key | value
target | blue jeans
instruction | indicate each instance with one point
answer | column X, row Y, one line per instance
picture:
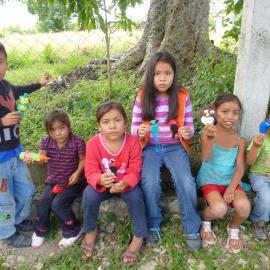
column 16, row 194
column 175, row 158
column 133, row 199
column 261, row 185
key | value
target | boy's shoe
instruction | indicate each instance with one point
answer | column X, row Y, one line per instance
column 153, row 236
column 26, row 226
column 194, row 241
column 37, row 241
column 18, row 240
column 67, row 242
column 260, row 230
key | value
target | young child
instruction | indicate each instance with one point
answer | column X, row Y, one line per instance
column 258, row 156
column 66, row 153
column 165, row 140
column 16, row 187
column 112, row 166
column 221, row 171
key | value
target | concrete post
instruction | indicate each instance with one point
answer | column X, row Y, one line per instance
column 252, row 78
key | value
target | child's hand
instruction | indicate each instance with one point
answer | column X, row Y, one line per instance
column 228, row 195
column 209, row 131
column 118, row 187
column 185, row 132
column 45, row 79
column 258, row 140
column 142, row 130
column 11, row 119
column 107, row 179
column 73, row 179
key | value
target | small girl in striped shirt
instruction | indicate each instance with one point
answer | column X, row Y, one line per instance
column 162, row 119
column 64, row 182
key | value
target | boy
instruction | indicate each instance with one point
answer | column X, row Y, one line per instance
column 16, row 187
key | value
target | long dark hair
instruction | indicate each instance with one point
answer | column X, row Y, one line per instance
column 150, row 92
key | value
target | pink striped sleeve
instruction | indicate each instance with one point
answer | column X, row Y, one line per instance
column 136, row 117
column 188, row 120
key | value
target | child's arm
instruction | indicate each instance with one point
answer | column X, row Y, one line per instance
column 207, row 138
column 228, row 195
column 253, row 152
column 136, row 122
column 73, row 179
column 20, row 90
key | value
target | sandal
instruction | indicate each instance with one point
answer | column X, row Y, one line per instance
column 233, row 235
column 130, row 256
column 87, row 248
column 206, row 228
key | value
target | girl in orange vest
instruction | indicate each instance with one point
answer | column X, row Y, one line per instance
column 162, row 119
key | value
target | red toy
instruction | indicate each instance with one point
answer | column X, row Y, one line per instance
column 58, row 188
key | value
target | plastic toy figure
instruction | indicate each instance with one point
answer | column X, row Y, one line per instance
column 23, row 104
column 208, row 117
column 174, row 125
column 58, row 188
column 264, row 126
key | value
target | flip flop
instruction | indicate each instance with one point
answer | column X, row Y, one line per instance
column 87, row 248
column 131, row 256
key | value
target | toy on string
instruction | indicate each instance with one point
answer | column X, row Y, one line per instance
column 154, row 132
column 208, row 117
column 23, row 104
column 29, row 156
column 264, row 126
column 58, row 188
column 174, row 126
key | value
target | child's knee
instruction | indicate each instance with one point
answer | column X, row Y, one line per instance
column 219, row 210
column 242, row 207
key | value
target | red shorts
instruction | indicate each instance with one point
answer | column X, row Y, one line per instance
column 205, row 190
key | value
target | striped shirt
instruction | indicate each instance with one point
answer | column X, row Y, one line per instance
column 62, row 162
column 162, row 108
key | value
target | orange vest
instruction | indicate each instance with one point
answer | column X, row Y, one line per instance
column 182, row 94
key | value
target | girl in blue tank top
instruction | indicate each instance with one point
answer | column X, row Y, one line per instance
column 221, row 171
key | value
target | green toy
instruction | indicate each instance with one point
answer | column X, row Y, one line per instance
column 23, row 104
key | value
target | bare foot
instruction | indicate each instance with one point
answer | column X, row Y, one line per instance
column 88, row 243
column 133, row 250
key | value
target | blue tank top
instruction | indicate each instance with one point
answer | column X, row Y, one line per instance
column 220, row 168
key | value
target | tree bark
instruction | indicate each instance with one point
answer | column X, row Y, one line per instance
column 179, row 26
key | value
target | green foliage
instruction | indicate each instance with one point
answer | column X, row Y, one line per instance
column 48, row 55
column 213, row 75
column 51, row 17
column 233, row 21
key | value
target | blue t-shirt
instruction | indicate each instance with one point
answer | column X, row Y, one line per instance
column 7, row 155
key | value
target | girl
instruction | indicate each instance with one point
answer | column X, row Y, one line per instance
column 221, row 171
column 162, row 119
column 258, row 157
column 66, row 153
column 112, row 165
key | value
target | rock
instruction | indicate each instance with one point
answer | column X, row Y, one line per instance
column 151, row 265
column 39, row 266
column 201, row 265
column 20, row 259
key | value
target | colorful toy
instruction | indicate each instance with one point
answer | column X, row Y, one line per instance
column 23, row 104
column 154, row 132
column 208, row 117
column 264, row 126
column 174, row 125
column 29, row 156
column 58, row 188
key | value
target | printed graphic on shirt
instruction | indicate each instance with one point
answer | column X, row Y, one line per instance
column 3, row 184
column 115, row 166
column 8, row 102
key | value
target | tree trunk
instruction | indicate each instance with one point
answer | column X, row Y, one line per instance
column 179, row 26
